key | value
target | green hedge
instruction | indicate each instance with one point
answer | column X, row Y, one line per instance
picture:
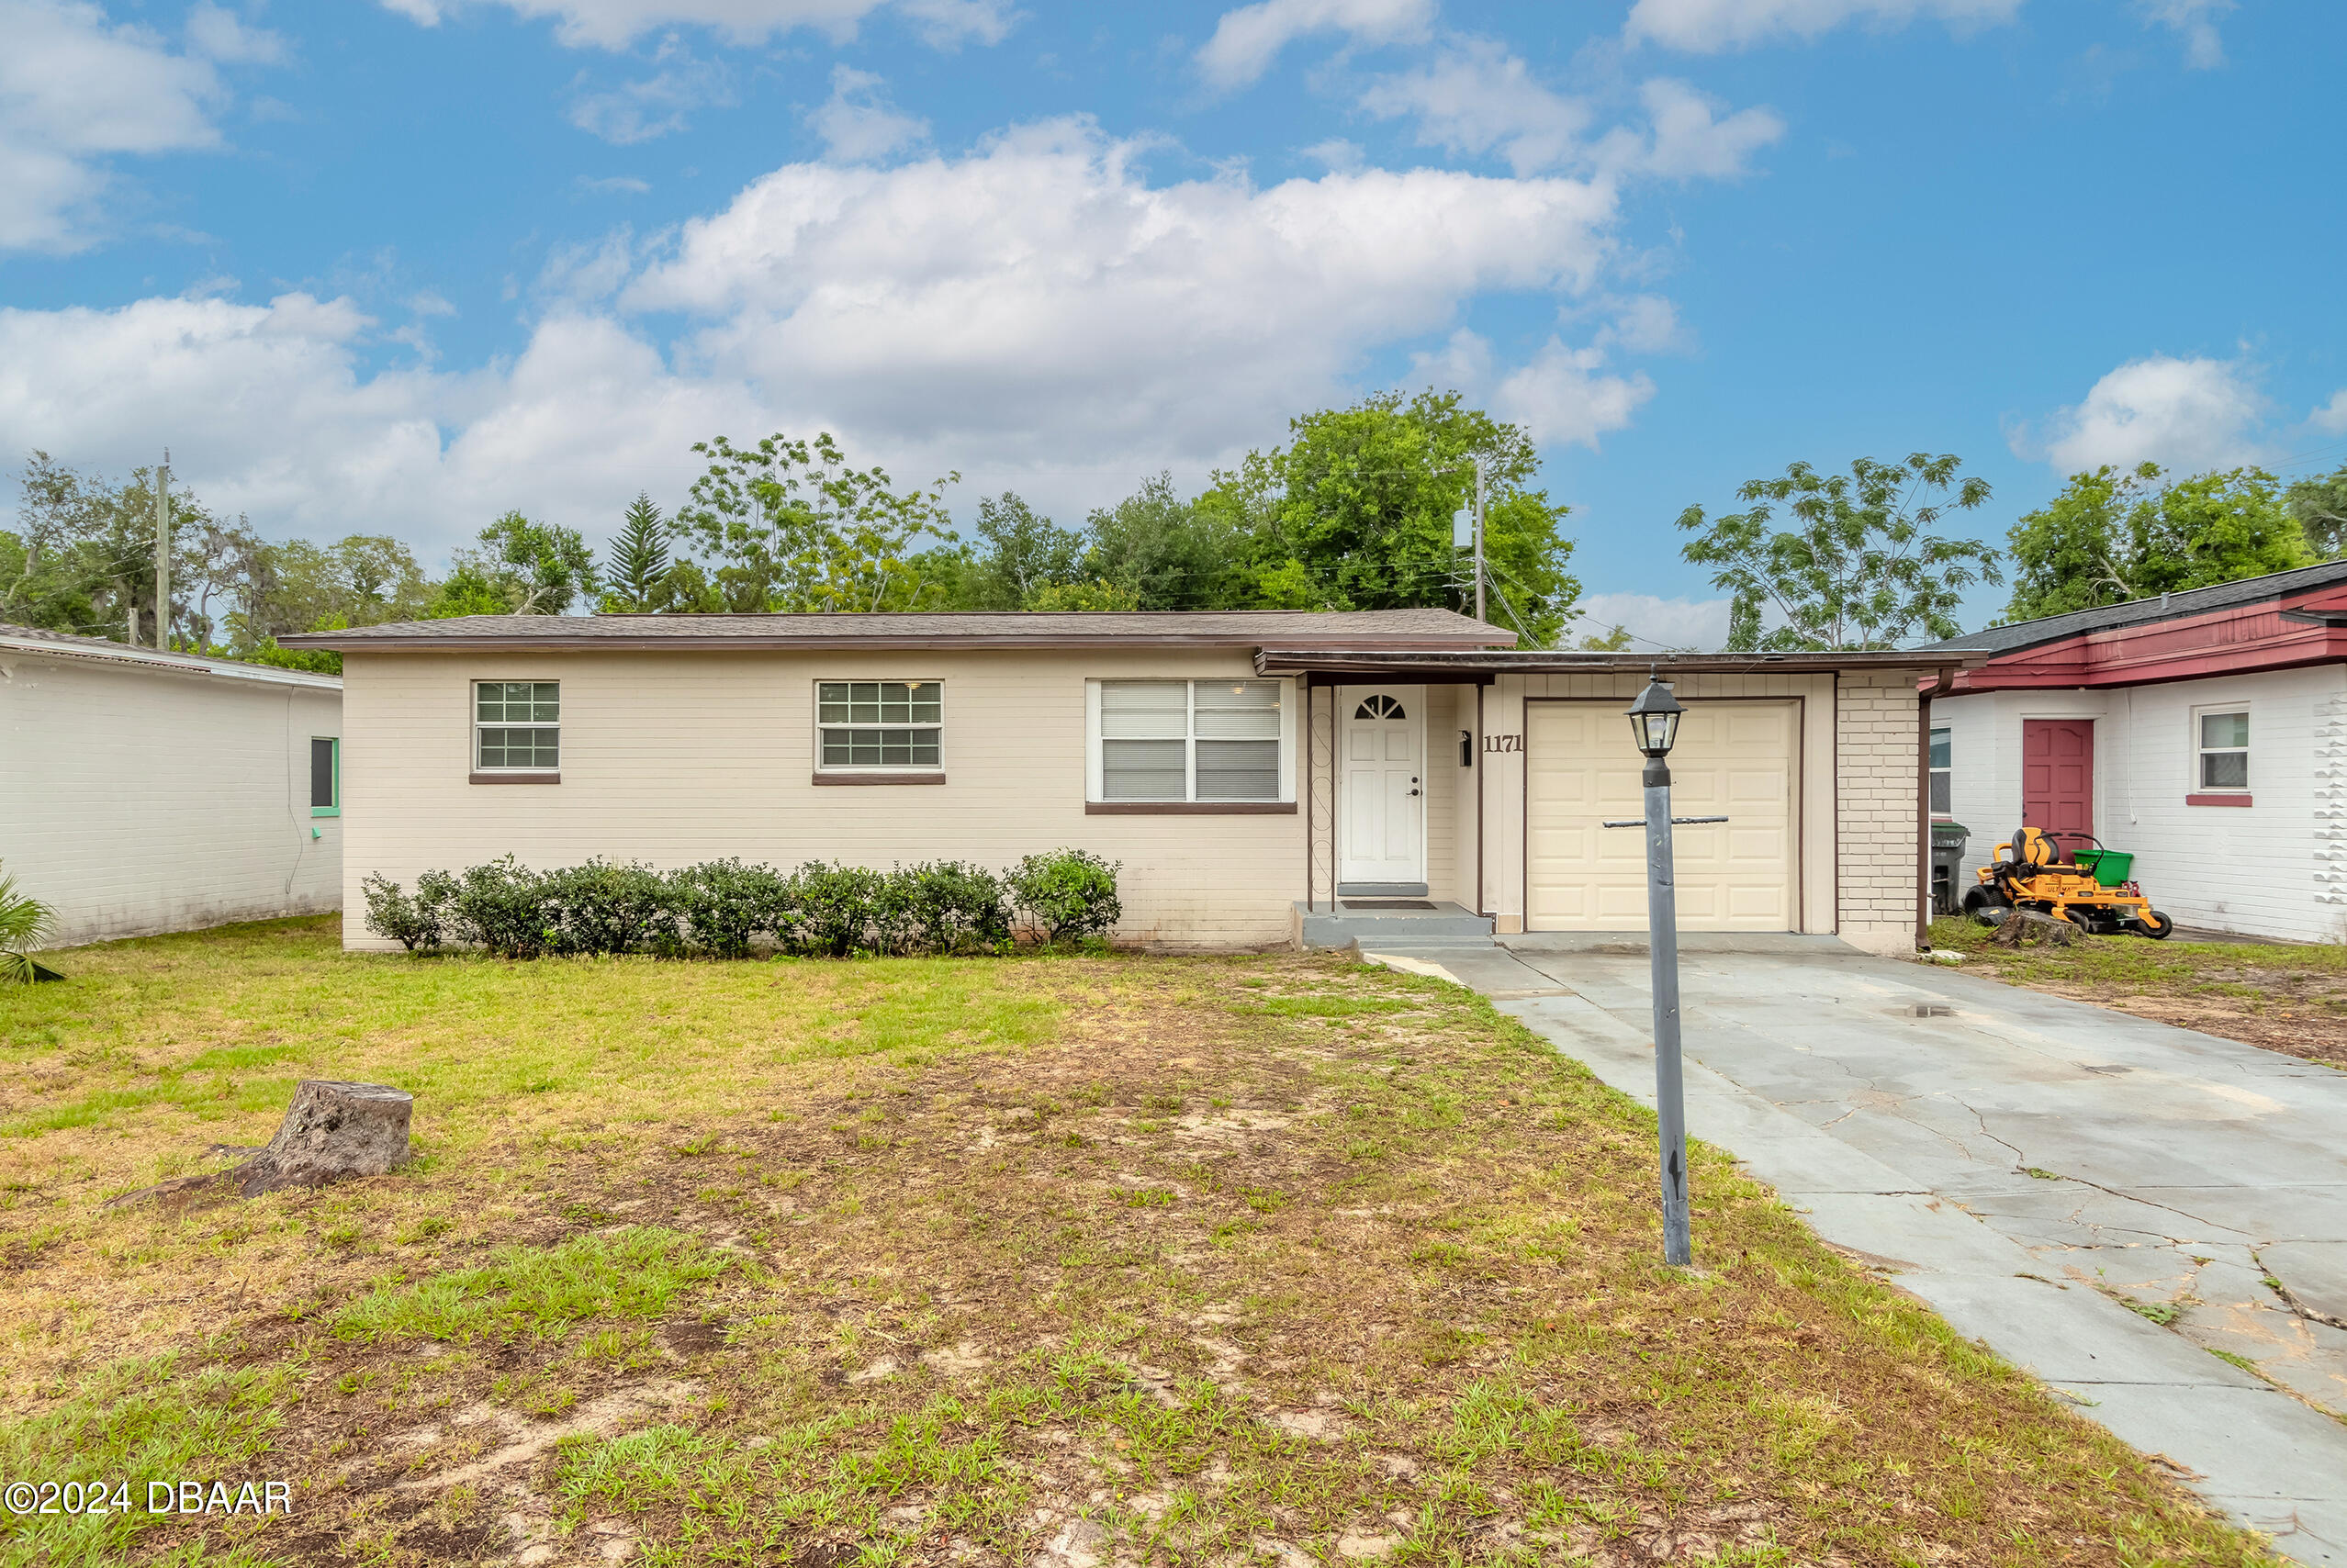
column 725, row 909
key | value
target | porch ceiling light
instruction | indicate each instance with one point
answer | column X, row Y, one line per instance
column 1653, row 718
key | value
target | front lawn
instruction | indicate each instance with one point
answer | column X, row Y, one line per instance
column 1080, row 1259
column 2283, row 996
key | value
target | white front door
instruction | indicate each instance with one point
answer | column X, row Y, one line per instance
column 1384, row 805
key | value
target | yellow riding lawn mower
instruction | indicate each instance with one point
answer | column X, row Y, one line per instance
column 2092, row 888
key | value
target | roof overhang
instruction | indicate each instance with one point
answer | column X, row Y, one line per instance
column 156, row 661
column 860, row 642
column 1486, row 665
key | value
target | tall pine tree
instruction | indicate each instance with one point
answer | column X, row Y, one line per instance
column 638, row 571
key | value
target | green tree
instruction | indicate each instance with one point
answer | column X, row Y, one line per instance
column 365, row 579
column 2108, row 537
column 52, row 573
column 1155, row 550
column 527, row 568
column 637, row 579
column 83, row 558
column 1021, row 554
column 468, row 590
column 789, row 525
column 2321, row 506
column 1860, row 569
column 1355, row 513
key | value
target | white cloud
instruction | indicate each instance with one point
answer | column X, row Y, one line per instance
column 2331, row 418
column 1563, row 396
column 1657, row 623
column 266, row 412
column 2182, row 413
column 1478, row 97
column 1039, row 293
column 1246, row 40
column 220, row 35
column 643, row 111
column 2195, row 22
column 1336, row 153
column 615, row 24
column 614, row 184
column 1033, row 308
column 1647, row 323
column 1707, row 26
column 857, row 125
column 75, row 90
column 1691, row 142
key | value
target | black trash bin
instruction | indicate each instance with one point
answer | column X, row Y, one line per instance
column 1947, row 841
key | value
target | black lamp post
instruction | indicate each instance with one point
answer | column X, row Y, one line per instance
column 1654, row 720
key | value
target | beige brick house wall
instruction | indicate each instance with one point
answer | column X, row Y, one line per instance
column 1875, row 732
column 674, row 758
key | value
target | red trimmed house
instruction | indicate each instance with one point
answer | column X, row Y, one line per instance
column 2206, row 730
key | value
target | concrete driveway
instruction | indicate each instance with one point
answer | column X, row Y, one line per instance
column 2025, row 1164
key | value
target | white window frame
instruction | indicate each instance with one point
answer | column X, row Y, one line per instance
column 1933, row 775
column 472, row 700
column 938, row 724
column 2200, row 751
column 1093, row 766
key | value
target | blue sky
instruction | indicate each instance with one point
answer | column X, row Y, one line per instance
column 397, row 267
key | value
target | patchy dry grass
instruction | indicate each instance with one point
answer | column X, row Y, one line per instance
column 2284, row 997
column 1054, row 1259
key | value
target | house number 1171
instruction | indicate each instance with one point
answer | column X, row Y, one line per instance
column 1503, row 742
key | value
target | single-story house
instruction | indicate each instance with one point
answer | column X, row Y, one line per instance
column 143, row 790
column 2203, row 730
column 1245, row 766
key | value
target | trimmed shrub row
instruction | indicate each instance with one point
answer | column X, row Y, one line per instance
column 723, row 909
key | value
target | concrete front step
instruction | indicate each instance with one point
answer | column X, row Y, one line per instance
column 1349, row 926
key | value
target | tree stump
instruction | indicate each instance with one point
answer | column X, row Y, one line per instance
column 2031, row 928
column 331, row 1132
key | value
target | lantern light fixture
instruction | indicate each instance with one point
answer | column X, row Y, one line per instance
column 1653, row 718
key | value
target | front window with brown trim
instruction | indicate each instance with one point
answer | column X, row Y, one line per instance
column 879, row 726
column 1202, row 742
column 517, row 726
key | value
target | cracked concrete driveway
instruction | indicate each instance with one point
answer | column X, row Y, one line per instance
column 2153, row 1221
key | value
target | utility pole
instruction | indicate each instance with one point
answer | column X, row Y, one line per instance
column 1479, row 536
column 162, row 556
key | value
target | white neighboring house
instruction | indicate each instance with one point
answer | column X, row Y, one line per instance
column 144, row 791
column 2203, row 730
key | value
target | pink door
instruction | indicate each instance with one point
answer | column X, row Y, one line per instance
column 2057, row 775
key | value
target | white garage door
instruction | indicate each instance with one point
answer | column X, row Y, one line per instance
column 1736, row 759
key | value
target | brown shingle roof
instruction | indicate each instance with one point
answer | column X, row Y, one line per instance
column 1420, row 628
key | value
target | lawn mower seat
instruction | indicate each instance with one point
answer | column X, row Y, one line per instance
column 2033, row 850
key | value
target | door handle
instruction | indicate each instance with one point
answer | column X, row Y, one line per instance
column 1413, row 792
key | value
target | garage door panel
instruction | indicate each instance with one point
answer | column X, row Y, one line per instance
column 1735, row 759
column 1618, row 908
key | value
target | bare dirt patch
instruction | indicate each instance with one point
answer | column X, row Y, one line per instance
column 2280, row 997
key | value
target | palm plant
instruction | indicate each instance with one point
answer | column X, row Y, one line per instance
column 25, row 920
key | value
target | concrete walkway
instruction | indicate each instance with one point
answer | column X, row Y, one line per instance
column 2020, row 1161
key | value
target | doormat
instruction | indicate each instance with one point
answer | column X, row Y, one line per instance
column 1387, row 903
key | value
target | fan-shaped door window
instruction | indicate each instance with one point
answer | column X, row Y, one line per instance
column 1378, row 705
